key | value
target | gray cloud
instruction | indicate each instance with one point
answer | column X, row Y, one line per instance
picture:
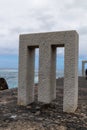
column 38, row 16
column 8, row 51
column 83, row 30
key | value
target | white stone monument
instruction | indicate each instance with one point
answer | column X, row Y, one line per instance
column 47, row 43
column 83, row 67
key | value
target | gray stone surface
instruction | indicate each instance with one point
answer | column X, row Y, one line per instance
column 71, row 75
column 47, row 73
column 26, row 75
column 83, row 67
column 47, row 43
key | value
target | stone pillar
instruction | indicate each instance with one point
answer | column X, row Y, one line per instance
column 53, row 72
column 82, row 68
column 26, row 75
column 47, row 73
column 70, row 99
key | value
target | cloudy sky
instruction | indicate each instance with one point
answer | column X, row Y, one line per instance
column 28, row 16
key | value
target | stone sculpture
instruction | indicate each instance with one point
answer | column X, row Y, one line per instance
column 83, row 67
column 47, row 43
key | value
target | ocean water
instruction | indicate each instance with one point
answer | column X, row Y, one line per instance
column 11, row 75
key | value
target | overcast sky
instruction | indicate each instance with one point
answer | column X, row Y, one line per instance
column 28, row 16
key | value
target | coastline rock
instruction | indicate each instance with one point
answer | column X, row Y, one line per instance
column 40, row 116
column 3, row 84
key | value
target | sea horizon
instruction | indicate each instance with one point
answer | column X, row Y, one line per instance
column 11, row 74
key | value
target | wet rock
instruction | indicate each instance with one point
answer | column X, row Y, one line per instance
column 3, row 84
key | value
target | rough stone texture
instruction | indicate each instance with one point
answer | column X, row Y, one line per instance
column 47, row 43
column 3, row 84
column 71, row 75
column 47, row 73
column 40, row 116
column 83, row 67
column 26, row 75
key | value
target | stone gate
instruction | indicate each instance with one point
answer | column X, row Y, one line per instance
column 47, row 43
column 83, row 67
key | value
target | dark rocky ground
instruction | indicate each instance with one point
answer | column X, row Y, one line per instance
column 38, row 116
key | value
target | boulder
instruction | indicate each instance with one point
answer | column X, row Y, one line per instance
column 3, row 84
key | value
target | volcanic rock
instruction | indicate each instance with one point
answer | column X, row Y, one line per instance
column 3, row 84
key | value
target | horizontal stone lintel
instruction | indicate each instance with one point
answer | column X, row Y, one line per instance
column 59, row 39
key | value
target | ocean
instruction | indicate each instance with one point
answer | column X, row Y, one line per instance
column 11, row 75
